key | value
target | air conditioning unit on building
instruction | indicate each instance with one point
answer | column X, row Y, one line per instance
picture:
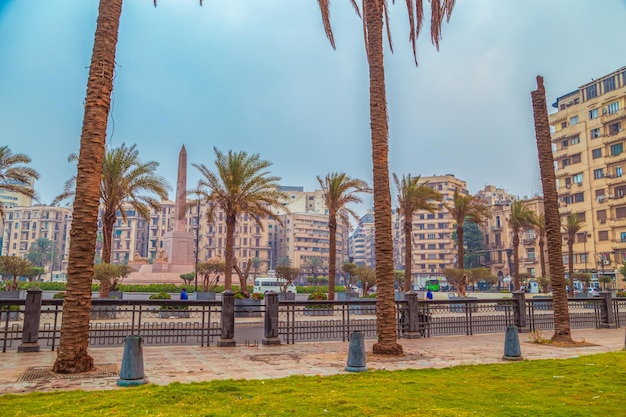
column 604, row 111
column 568, row 186
column 607, row 262
column 602, row 220
column 579, row 184
column 610, row 197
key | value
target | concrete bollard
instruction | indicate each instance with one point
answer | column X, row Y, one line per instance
column 512, row 350
column 131, row 371
column 356, row 353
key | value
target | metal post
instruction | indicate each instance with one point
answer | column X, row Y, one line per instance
column 271, row 319
column 411, row 317
column 227, row 337
column 51, row 259
column 608, row 317
column 521, row 321
column 32, row 318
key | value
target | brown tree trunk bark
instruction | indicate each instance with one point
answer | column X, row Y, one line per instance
column 542, row 256
column 570, row 265
column 231, row 220
column 108, row 223
column 516, row 280
column 460, row 250
column 387, row 343
column 72, row 355
column 332, row 256
column 408, row 252
column 562, row 332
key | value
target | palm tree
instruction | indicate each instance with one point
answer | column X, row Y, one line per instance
column 72, row 355
column 373, row 13
column 412, row 196
column 241, row 185
column 540, row 228
column 571, row 227
column 465, row 207
column 339, row 191
column 562, row 332
column 521, row 218
column 14, row 176
column 124, row 180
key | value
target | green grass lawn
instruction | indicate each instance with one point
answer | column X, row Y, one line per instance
column 585, row 386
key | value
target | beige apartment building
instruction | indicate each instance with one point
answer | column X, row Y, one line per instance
column 434, row 248
column 499, row 237
column 362, row 242
column 24, row 225
column 10, row 199
column 588, row 139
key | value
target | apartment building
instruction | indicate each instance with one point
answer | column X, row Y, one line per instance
column 362, row 242
column 434, row 248
column 589, row 134
column 498, row 253
column 10, row 199
column 24, row 225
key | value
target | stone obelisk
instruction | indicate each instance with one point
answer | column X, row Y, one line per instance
column 178, row 243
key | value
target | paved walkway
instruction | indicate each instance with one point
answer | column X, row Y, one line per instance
column 164, row 365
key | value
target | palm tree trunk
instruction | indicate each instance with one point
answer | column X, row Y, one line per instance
column 387, row 343
column 460, row 250
column 108, row 222
column 72, row 353
column 408, row 253
column 516, row 280
column 562, row 332
column 332, row 256
column 570, row 264
column 228, row 257
column 542, row 256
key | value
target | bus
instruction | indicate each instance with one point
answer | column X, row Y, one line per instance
column 432, row 285
column 267, row 284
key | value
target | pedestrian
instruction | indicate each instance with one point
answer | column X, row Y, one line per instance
column 429, row 295
column 184, row 295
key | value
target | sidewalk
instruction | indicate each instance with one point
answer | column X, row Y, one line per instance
column 164, row 365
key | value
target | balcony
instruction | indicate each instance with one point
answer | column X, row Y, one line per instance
column 560, row 173
column 616, row 201
column 619, row 245
column 529, row 241
column 608, row 118
column 528, row 261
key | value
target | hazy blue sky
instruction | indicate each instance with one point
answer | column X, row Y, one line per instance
column 261, row 76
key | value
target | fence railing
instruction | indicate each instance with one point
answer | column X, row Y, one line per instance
column 30, row 323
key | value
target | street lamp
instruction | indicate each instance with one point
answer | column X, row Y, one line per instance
column 51, row 259
column 509, row 252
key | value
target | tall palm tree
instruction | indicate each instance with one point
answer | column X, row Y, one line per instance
column 521, row 218
column 15, row 176
column 465, row 207
column 241, row 185
column 339, row 191
column 124, row 180
column 562, row 332
column 412, row 196
column 571, row 227
column 72, row 355
column 540, row 228
column 373, row 13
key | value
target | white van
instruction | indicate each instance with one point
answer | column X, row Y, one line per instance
column 264, row 285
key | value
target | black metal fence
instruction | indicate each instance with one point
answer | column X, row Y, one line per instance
column 168, row 322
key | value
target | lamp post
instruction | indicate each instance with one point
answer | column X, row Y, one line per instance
column 51, row 259
column 509, row 252
column 195, row 267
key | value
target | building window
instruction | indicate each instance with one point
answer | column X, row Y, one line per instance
column 598, row 173
column 603, row 235
column 573, row 120
column 617, row 149
column 601, row 216
column 596, row 153
column 431, row 236
column 576, row 158
column 620, row 212
column 566, row 162
column 591, row 91
column 594, row 133
column 575, row 140
column 615, row 128
column 563, row 125
column 579, row 197
column 618, row 171
column 613, row 108
column 564, row 144
column 609, row 84
column 593, row 114
column 577, row 179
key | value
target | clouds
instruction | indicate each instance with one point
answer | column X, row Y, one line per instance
column 262, row 77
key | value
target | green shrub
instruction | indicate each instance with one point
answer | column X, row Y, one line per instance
column 59, row 296
column 318, row 295
column 161, row 296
